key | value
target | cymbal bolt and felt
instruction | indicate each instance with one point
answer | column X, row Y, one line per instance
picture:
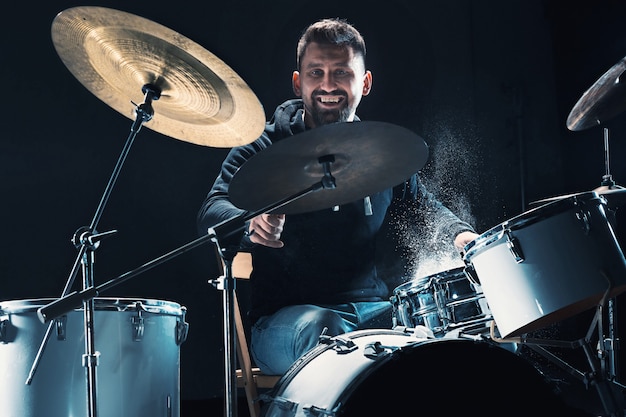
column 328, row 181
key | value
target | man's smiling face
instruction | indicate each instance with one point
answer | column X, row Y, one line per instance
column 331, row 82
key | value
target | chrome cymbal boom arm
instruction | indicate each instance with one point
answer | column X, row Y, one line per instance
column 228, row 230
column 87, row 240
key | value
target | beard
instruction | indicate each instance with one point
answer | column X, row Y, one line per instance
column 326, row 117
column 322, row 116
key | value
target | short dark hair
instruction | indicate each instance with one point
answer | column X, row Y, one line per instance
column 331, row 31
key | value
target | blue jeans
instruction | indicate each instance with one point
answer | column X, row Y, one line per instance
column 278, row 340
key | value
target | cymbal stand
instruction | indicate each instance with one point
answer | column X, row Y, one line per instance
column 612, row 343
column 601, row 374
column 87, row 240
column 226, row 283
column 607, row 178
column 226, row 231
column 227, row 250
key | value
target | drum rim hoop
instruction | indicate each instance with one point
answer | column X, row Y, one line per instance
column 100, row 303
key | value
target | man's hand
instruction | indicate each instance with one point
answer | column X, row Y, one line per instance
column 463, row 238
column 265, row 229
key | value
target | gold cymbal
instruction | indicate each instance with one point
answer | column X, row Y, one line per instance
column 114, row 54
column 366, row 157
column 605, row 99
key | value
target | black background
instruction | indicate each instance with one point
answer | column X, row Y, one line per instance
column 487, row 84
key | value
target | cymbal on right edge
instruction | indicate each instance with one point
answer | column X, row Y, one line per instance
column 615, row 195
column 605, row 99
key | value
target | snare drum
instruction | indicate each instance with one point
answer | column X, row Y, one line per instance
column 393, row 373
column 442, row 302
column 138, row 342
column 548, row 264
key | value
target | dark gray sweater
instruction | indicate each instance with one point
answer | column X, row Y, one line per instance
column 329, row 256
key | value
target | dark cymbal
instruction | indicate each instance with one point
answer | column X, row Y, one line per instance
column 615, row 195
column 605, row 99
column 114, row 54
column 368, row 157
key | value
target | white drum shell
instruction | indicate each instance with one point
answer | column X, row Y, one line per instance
column 414, row 376
column 300, row 378
column 134, row 377
column 570, row 260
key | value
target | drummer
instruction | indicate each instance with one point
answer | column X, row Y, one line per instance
column 315, row 272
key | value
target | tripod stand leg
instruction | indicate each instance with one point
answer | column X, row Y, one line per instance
column 90, row 358
column 226, row 283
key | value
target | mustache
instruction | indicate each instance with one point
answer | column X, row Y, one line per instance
column 332, row 93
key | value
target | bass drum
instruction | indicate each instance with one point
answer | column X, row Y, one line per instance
column 392, row 373
column 138, row 342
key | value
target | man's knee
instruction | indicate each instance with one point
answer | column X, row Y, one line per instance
column 321, row 320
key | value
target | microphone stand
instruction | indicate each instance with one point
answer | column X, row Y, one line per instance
column 87, row 240
column 229, row 230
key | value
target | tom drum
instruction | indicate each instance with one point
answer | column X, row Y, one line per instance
column 138, row 366
column 548, row 264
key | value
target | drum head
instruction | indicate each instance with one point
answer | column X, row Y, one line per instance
column 452, row 378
